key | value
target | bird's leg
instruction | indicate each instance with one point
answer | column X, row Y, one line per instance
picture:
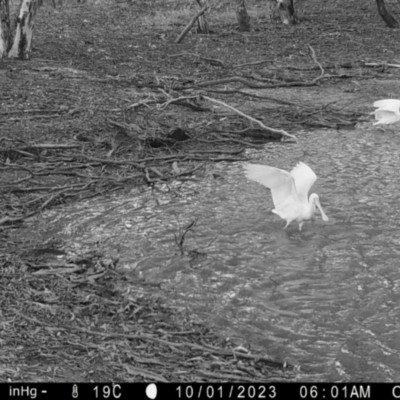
column 287, row 224
column 301, row 225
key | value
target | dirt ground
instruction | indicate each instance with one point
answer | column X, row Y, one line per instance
column 109, row 102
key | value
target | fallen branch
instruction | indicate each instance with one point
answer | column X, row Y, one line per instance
column 280, row 131
column 141, row 103
column 381, row 65
column 251, row 84
column 256, row 96
column 251, row 63
column 163, row 106
column 7, row 219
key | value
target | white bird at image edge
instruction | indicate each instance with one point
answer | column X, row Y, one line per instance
column 388, row 111
column 289, row 191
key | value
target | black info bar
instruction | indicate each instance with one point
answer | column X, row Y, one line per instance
column 193, row 391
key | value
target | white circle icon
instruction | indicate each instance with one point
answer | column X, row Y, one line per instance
column 151, row 391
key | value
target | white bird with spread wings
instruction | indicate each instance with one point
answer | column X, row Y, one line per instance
column 289, row 191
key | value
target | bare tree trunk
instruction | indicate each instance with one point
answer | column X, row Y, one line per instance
column 286, row 12
column 242, row 16
column 390, row 21
column 17, row 44
column 5, row 28
column 202, row 25
column 22, row 43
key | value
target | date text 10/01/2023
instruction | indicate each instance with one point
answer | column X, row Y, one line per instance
column 280, row 391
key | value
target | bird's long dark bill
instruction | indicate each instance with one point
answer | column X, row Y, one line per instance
column 323, row 215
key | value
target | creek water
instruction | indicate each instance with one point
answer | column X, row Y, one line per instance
column 326, row 299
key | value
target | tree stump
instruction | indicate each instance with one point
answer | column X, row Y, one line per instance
column 286, row 12
column 242, row 16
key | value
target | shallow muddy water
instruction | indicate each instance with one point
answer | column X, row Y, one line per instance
column 326, row 299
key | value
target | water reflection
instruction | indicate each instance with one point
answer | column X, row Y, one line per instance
column 327, row 298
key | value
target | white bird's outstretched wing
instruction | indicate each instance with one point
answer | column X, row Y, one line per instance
column 384, row 117
column 392, row 105
column 304, row 177
column 280, row 182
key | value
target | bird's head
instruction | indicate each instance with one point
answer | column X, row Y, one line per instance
column 314, row 201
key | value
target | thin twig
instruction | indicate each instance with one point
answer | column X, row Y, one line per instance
column 163, row 106
column 316, row 61
column 251, row 63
